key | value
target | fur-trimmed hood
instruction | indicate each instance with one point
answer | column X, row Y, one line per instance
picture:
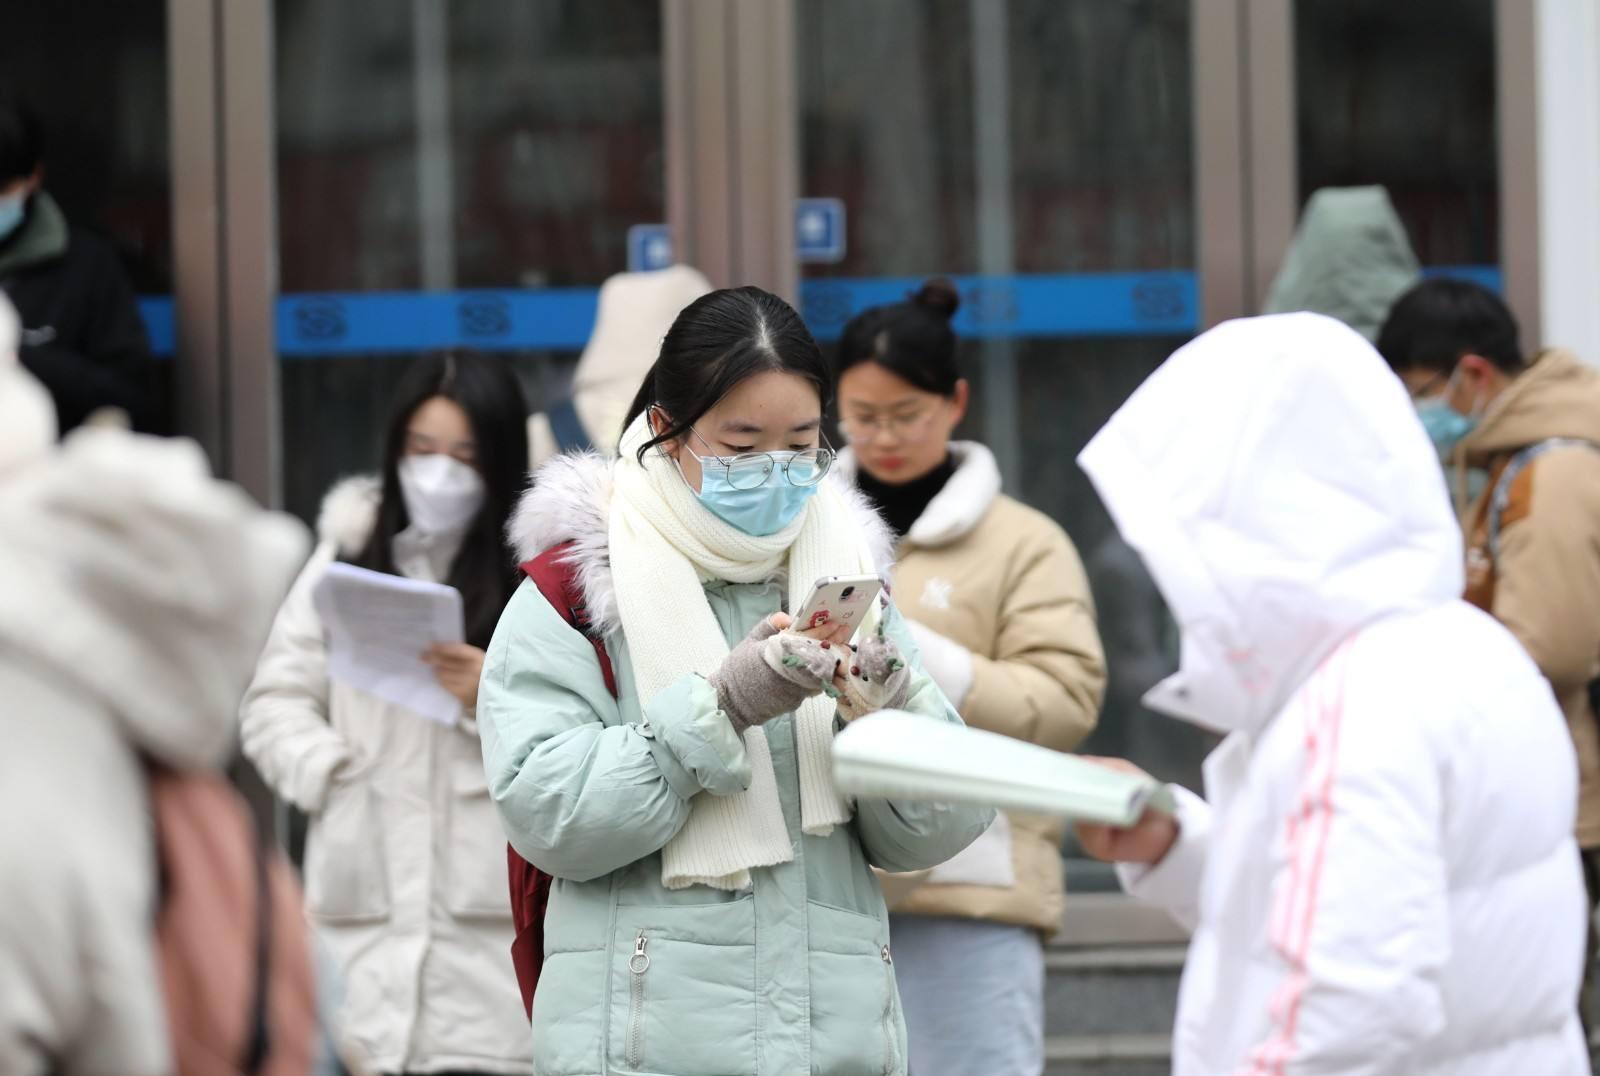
column 571, row 502
column 132, row 574
column 960, row 506
column 349, row 512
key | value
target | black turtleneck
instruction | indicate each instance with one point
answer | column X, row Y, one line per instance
column 902, row 505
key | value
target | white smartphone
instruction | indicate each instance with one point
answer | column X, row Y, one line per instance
column 838, row 599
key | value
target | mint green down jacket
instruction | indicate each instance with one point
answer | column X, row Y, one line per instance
column 794, row 977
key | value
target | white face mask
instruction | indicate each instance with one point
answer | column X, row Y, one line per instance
column 442, row 494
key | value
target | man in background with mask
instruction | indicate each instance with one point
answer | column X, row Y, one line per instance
column 1533, row 529
column 81, row 331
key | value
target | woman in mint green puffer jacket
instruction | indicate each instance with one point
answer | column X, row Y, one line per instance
column 696, row 928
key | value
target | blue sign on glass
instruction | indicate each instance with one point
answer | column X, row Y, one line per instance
column 1162, row 303
column 649, row 248
column 819, row 232
column 160, row 323
column 1040, row 305
column 1485, row 276
column 542, row 319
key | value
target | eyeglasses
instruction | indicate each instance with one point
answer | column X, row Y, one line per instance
column 912, row 427
column 751, row 470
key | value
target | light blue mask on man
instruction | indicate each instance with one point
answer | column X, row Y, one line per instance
column 12, row 209
column 1446, row 426
column 733, row 489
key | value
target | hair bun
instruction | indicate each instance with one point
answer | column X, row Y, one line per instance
column 940, row 296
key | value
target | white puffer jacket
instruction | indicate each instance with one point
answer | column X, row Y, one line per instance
column 1384, row 880
column 405, row 867
column 137, row 592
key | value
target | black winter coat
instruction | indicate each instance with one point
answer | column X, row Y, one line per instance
column 81, row 331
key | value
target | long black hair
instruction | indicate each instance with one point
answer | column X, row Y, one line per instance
column 912, row 340
column 485, row 569
column 718, row 341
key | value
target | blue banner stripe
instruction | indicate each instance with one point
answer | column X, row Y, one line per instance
column 556, row 319
column 1485, row 276
column 560, row 319
column 160, row 323
column 1042, row 305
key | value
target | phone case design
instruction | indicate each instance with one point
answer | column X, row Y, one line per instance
column 847, row 607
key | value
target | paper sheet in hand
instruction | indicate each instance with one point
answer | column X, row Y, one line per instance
column 892, row 755
column 378, row 625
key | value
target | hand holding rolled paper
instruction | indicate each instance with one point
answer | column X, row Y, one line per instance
column 1147, row 840
column 895, row 755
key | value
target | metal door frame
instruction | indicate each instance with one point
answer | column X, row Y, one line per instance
column 225, row 239
column 733, row 134
column 1245, row 150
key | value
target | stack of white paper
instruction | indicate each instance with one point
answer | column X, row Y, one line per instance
column 893, row 755
column 378, row 626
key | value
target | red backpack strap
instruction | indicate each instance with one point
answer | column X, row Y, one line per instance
column 530, row 898
column 557, row 579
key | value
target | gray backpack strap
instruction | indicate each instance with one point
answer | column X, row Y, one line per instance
column 1500, row 496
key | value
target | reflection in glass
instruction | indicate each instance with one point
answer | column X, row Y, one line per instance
column 1404, row 95
column 1034, row 137
column 434, row 145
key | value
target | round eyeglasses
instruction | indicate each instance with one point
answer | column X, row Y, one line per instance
column 751, row 470
column 905, row 428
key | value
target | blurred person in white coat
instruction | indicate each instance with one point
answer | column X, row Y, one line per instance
column 138, row 591
column 1375, row 885
column 633, row 313
column 405, row 863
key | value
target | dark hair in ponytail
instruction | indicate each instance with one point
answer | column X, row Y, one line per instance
column 718, row 341
column 912, row 340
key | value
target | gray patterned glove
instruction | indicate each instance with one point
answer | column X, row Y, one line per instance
column 879, row 679
column 770, row 673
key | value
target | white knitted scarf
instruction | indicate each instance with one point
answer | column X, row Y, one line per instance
column 665, row 546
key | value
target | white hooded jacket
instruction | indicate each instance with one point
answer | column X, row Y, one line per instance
column 405, row 863
column 137, row 594
column 1383, row 880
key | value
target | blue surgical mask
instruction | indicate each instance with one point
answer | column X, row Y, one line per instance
column 732, row 488
column 12, row 209
column 1445, row 425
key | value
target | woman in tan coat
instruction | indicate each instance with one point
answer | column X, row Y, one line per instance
column 1000, row 608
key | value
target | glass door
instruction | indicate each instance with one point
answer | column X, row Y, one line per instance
column 1386, row 94
column 450, row 174
column 1038, row 152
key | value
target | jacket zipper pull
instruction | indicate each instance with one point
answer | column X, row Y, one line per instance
column 888, row 958
column 638, row 964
